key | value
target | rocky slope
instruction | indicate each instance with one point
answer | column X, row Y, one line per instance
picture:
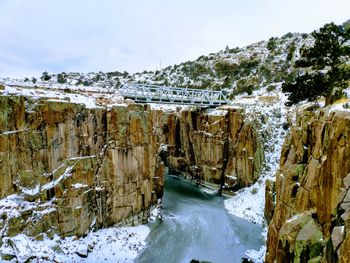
column 310, row 217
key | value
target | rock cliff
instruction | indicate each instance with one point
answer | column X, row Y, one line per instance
column 216, row 148
column 66, row 168
column 311, row 221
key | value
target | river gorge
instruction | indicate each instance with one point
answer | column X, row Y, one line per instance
column 195, row 225
column 70, row 169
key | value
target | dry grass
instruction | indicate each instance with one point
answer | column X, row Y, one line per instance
column 341, row 101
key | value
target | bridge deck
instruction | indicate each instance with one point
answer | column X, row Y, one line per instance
column 172, row 95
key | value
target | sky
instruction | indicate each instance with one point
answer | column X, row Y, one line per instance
column 135, row 35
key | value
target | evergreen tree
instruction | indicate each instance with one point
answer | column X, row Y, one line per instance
column 61, row 78
column 327, row 59
column 45, row 76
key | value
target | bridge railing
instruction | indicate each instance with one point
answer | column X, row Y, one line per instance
column 163, row 94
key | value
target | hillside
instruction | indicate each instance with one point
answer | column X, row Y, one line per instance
column 237, row 70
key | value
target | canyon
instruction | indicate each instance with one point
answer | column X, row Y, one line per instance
column 70, row 168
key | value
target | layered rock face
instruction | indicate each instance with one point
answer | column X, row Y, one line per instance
column 311, row 218
column 216, row 148
column 66, row 168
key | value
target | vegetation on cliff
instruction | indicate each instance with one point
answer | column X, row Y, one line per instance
column 326, row 72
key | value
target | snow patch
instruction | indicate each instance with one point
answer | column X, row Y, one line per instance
column 105, row 245
column 249, row 202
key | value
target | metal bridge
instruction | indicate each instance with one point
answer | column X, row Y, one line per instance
column 144, row 93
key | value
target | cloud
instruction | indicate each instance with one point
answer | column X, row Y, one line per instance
column 91, row 35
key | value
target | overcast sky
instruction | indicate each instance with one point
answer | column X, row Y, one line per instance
column 135, row 35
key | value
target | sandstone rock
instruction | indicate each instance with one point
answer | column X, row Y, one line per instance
column 346, row 181
column 315, row 164
column 74, row 166
column 347, row 198
column 70, row 169
column 345, row 249
column 337, row 236
column 300, row 239
column 215, row 148
column 269, row 201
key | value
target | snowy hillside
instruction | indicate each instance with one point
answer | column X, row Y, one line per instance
column 237, row 70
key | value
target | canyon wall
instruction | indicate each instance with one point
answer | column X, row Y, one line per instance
column 66, row 168
column 311, row 218
column 216, row 148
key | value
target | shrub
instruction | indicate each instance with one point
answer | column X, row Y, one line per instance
column 288, row 35
column 346, row 25
column 61, row 78
column 86, row 83
column 326, row 56
column 291, row 51
column 271, row 88
column 242, row 86
column 271, row 44
column 254, row 191
column 224, row 67
column 45, row 76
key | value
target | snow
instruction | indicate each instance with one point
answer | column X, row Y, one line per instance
column 105, row 245
column 13, row 204
column 256, row 256
column 90, row 97
column 79, row 185
column 13, row 132
column 52, row 184
column 59, row 96
column 32, row 192
column 156, row 213
column 249, row 202
column 340, row 107
column 50, row 85
column 218, row 112
column 169, row 107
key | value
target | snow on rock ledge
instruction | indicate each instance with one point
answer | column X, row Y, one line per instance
column 105, row 245
column 66, row 168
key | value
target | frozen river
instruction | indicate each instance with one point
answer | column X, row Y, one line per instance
column 195, row 225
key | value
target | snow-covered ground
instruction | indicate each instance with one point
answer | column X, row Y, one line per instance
column 248, row 203
column 91, row 97
column 105, row 245
column 269, row 113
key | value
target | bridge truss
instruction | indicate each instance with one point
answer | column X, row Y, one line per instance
column 144, row 93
